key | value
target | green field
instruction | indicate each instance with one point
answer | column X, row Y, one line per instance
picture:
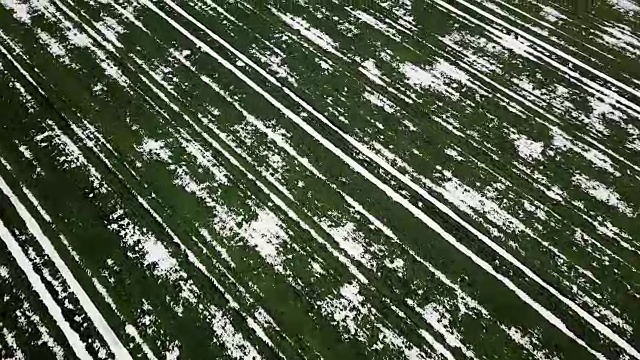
column 397, row 179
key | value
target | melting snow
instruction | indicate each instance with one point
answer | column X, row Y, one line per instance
column 276, row 65
column 174, row 352
column 380, row 101
column 54, row 47
column 469, row 201
column 266, row 235
column 436, row 77
column 517, row 45
column 529, row 149
column 375, row 23
column 551, row 14
column 625, row 5
column 453, row 153
column 155, row 149
column 397, row 265
column 351, row 241
column 155, row 253
column 317, row 269
column 438, row 317
column 345, row 310
column 79, row 39
column 529, row 343
column 316, row 36
column 21, row 9
column 237, row 346
column 110, row 29
column 369, row 68
column 622, row 37
column 602, row 193
column 4, row 272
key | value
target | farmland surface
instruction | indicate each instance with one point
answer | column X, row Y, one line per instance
column 427, row 179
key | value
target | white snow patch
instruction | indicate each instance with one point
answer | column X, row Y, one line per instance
column 438, row 317
column 110, row 29
column 323, row 64
column 371, row 71
column 21, row 9
column 625, row 5
column 529, row 149
column 54, row 47
column 155, row 253
column 529, row 343
column 380, row 101
column 453, row 153
column 351, row 241
column 316, row 36
column 237, row 346
column 397, row 265
column 441, row 77
column 602, row 109
column 317, row 268
column 266, row 235
column 602, row 193
column 10, row 340
column 276, row 65
column 410, row 351
column 205, row 159
column 174, row 352
column 4, row 272
column 620, row 36
column 562, row 142
column 345, row 309
column 79, row 39
column 70, row 155
column 517, row 45
column 39, row 287
column 155, row 149
column 471, row 201
column 362, row 16
column 551, row 14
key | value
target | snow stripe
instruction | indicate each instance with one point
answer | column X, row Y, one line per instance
column 592, row 85
column 96, row 317
column 23, row 261
column 553, row 319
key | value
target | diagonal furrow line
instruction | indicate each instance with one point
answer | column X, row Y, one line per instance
column 217, row 146
column 392, row 193
column 469, row 67
column 550, row 26
column 382, row 174
column 174, row 237
column 588, row 84
column 277, row 200
column 101, row 324
column 192, row 258
column 377, row 223
column 480, row 85
column 189, row 254
column 123, row 354
column 546, row 46
column 129, row 328
column 55, row 311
